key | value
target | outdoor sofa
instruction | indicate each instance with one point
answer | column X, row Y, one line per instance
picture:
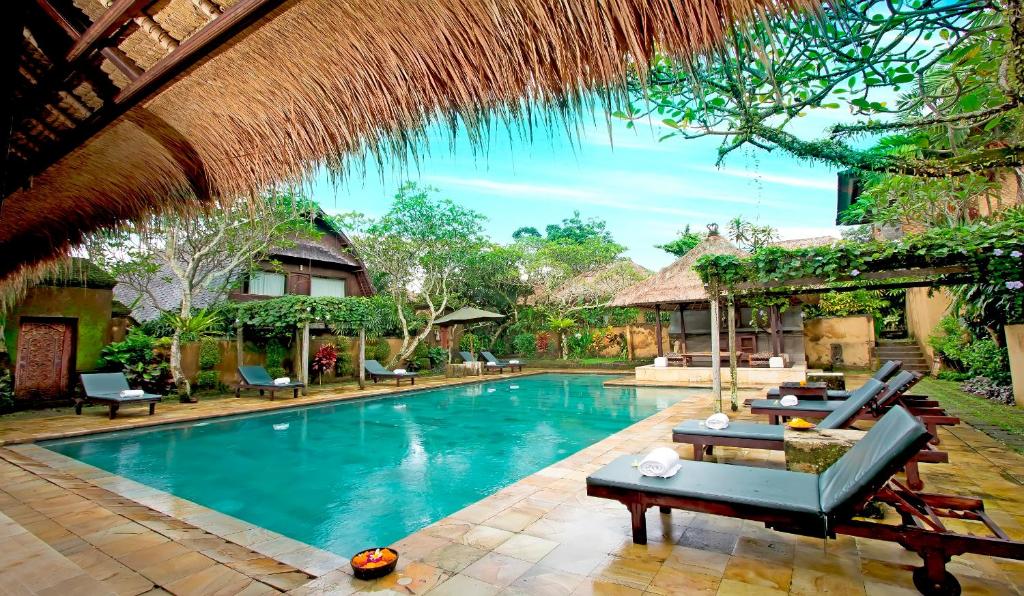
column 106, row 388
column 826, row 504
column 256, row 377
column 884, row 373
column 756, row 435
column 378, row 372
column 491, row 363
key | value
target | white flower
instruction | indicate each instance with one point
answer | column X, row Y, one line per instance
column 998, row 252
column 1015, row 254
column 855, row 272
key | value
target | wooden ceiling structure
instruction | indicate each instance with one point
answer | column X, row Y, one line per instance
column 113, row 110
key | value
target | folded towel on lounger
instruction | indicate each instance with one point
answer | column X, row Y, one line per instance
column 662, row 462
column 789, row 401
column 132, row 393
column 282, row 380
column 400, row 371
column 717, row 421
column 513, row 362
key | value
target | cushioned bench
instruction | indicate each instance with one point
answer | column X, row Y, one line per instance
column 256, row 377
column 377, row 372
column 106, row 388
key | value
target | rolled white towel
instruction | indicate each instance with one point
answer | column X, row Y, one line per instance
column 282, row 380
column 513, row 362
column 789, row 400
column 660, row 362
column 132, row 393
column 493, row 364
column 399, row 371
column 661, row 462
column 717, row 421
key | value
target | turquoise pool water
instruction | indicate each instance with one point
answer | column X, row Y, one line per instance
column 366, row 473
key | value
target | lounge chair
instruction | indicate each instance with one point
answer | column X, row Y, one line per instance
column 467, row 357
column 755, row 435
column 257, row 377
column 884, row 373
column 378, row 372
column 491, row 363
column 823, row 505
column 106, row 388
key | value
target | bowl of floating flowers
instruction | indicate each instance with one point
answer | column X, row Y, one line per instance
column 800, row 424
column 374, row 562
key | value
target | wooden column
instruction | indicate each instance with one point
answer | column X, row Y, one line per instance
column 775, row 328
column 304, row 357
column 716, row 347
column 734, row 399
column 240, row 344
column 682, row 329
column 657, row 329
column 362, row 358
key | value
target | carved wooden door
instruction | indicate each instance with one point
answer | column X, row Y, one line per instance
column 299, row 283
column 45, row 358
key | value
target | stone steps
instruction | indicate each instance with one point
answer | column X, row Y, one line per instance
column 905, row 350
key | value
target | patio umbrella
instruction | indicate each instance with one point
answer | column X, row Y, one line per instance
column 465, row 316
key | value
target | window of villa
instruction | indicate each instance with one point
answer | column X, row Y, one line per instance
column 265, row 283
column 326, row 286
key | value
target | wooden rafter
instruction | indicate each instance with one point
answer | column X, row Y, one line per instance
column 116, row 16
column 10, row 57
column 190, row 52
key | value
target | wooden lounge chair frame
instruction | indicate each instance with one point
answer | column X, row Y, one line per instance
column 246, row 382
column 921, row 529
column 885, row 372
column 704, row 443
column 492, row 363
column 112, row 398
column 376, row 375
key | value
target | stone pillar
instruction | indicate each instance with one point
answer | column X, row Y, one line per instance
column 1015, row 346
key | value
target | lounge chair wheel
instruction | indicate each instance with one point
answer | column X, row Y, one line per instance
column 949, row 586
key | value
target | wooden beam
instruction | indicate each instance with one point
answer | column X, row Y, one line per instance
column 755, row 287
column 10, row 58
column 112, row 19
column 234, row 20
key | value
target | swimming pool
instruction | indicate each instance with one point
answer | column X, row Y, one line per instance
column 369, row 472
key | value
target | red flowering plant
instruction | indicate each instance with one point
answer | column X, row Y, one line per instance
column 324, row 360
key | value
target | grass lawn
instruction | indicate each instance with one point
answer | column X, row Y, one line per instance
column 977, row 411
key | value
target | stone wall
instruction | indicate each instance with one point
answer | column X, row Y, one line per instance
column 856, row 336
column 1015, row 345
column 924, row 311
column 89, row 307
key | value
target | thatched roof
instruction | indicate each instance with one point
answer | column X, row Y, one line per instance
column 468, row 314
column 678, row 282
column 806, row 242
column 601, row 283
column 125, row 107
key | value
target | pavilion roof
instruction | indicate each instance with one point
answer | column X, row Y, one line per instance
column 678, row 283
column 122, row 108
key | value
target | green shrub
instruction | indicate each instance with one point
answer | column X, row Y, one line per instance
column 952, row 375
column 378, row 349
column 438, row 356
column 136, row 347
column 579, row 344
column 845, row 304
column 525, row 344
column 950, row 338
column 276, row 353
column 208, row 379
column 276, row 372
column 209, row 353
column 984, row 358
column 343, row 365
column 6, row 391
column 419, row 359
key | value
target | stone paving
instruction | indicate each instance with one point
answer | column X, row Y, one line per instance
column 543, row 535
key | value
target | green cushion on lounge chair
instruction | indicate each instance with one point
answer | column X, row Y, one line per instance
column 739, row 430
column 863, row 467
column 760, row 487
column 490, row 358
column 808, row 405
column 467, row 357
column 848, row 408
column 108, row 386
column 255, row 375
column 374, row 367
column 883, row 373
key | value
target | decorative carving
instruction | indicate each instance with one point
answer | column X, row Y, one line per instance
column 44, row 360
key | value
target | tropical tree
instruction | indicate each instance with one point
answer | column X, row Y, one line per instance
column 686, row 242
column 206, row 253
column 750, row 236
column 949, row 75
column 421, row 252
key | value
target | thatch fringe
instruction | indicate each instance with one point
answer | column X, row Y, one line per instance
column 321, row 81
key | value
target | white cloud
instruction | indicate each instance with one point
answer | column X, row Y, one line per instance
column 772, row 178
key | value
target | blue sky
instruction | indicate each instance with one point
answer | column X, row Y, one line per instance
column 645, row 189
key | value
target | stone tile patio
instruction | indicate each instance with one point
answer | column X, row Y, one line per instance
column 543, row 535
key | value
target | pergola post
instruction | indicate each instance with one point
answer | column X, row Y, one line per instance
column 682, row 329
column 657, row 329
column 362, row 358
column 303, row 364
column 733, row 373
column 716, row 348
column 775, row 328
column 239, row 343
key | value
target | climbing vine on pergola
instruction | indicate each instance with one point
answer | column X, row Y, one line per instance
column 987, row 253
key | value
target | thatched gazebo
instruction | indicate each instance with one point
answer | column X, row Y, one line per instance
column 116, row 109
